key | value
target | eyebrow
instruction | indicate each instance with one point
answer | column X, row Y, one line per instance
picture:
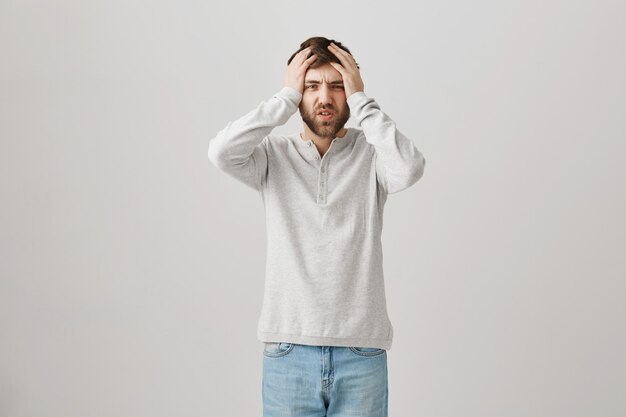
column 318, row 82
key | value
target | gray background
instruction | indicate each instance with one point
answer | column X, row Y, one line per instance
column 132, row 269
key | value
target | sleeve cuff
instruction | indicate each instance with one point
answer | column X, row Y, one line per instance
column 356, row 100
column 291, row 94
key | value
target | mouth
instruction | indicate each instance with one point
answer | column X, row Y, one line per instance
column 326, row 115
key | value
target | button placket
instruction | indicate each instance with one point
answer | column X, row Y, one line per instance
column 323, row 171
column 323, row 180
column 313, row 150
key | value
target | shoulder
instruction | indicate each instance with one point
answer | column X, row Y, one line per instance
column 277, row 143
column 360, row 141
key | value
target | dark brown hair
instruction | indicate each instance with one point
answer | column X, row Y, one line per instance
column 319, row 47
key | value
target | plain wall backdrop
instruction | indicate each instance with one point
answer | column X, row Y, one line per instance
column 131, row 269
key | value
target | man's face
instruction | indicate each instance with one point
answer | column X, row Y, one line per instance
column 323, row 90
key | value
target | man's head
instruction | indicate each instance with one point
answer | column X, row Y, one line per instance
column 319, row 47
column 323, row 90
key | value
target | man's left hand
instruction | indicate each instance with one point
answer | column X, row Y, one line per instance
column 352, row 81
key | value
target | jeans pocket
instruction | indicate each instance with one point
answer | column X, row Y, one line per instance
column 367, row 351
column 277, row 349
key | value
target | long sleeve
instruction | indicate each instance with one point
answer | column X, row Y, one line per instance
column 239, row 148
column 399, row 164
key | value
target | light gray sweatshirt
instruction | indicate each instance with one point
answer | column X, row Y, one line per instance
column 324, row 281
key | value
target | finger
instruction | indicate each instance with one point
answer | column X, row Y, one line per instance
column 335, row 48
column 305, row 52
column 310, row 60
column 345, row 58
column 306, row 63
column 344, row 62
column 344, row 65
column 344, row 53
column 339, row 68
column 301, row 56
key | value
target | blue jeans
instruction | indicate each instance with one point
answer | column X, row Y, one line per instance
column 323, row 381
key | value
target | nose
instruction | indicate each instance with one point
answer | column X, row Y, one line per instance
column 324, row 94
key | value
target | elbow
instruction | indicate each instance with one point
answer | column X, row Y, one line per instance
column 417, row 170
column 408, row 178
column 215, row 154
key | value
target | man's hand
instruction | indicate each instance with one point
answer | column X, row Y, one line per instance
column 297, row 68
column 352, row 81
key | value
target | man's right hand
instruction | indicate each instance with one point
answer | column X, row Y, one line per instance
column 297, row 68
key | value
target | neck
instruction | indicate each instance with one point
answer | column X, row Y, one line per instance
column 321, row 140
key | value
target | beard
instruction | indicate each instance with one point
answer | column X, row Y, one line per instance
column 325, row 128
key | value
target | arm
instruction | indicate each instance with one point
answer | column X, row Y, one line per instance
column 399, row 164
column 239, row 148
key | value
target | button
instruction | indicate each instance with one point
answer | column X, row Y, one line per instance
column 308, row 144
column 317, row 157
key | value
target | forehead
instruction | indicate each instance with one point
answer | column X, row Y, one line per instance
column 323, row 73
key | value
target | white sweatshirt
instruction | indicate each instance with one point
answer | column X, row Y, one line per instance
column 324, row 281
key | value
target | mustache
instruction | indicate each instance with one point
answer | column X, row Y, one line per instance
column 325, row 109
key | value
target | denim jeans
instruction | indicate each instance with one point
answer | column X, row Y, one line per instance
column 323, row 381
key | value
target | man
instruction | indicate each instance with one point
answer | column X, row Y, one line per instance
column 324, row 319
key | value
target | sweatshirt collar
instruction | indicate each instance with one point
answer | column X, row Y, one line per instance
column 336, row 142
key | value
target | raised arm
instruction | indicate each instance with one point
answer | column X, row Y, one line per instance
column 398, row 162
column 239, row 148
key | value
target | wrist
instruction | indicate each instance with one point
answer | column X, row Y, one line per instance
column 291, row 93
